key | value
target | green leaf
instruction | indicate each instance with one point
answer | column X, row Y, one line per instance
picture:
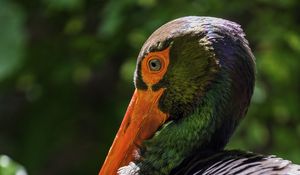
column 9, row 167
column 12, row 38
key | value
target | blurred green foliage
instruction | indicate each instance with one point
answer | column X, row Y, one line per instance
column 66, row 75
column 9, row 167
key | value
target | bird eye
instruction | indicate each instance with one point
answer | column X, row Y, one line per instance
column 155, row 64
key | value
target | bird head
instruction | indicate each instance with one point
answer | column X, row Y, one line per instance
column 194, row 80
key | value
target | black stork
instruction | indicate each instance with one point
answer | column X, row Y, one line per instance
column 194, row 80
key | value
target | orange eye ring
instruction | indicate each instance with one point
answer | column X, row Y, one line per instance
column 154, row 73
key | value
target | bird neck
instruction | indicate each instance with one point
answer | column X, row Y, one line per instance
column 178, row 139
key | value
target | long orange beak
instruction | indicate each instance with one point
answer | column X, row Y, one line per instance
column 141, row 121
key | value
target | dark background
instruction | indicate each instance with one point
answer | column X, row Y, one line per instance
column 66, row 75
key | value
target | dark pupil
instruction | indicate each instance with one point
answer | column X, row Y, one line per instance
column 155, row 65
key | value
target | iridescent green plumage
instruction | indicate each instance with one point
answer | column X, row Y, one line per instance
column 208, row 88
column 201, row 89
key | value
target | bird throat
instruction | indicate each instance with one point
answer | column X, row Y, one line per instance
column 179, row 139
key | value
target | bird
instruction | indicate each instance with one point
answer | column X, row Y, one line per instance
column 194, row 80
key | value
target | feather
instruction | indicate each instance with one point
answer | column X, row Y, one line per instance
column 237, row 163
